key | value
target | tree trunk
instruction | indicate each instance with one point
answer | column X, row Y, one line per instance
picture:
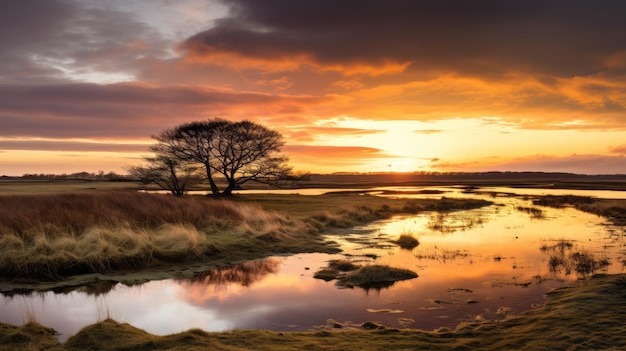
column 229, row 189
column 232, row 185
column 214, row 189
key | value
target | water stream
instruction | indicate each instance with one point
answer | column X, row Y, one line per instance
column 472, row 265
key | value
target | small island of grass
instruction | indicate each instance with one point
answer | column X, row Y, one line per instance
column 349, row 275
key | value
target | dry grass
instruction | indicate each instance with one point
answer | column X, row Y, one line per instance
column 38, row 187
column 335, row 269
column 364, row 207
column 565, row 257
column 375, row 276
column 533, row 212
column 614, row 210
column 49, row 236
column 407, row 241
column 343, row 265
column 350, row 275
column 52, row 236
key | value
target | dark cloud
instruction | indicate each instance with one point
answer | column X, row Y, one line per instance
column 54, row 145
column 554, row 37
column 59, row 40
column 128, row 110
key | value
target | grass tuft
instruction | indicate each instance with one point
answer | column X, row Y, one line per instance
column 375, row 276
column 350, row 275
column 407, row 242
column 563, row 256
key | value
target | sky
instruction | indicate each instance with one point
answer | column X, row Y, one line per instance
column 353, row 86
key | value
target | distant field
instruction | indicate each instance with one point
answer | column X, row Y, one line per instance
column 9, row 187
column 506, row 179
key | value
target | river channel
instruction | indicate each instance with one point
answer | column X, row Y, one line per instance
column 473, row 265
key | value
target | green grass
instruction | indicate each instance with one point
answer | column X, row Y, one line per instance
column 589, row 316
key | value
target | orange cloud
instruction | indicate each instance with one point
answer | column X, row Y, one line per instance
column 131, row 110
column 333, row 158
column 519, row 99
column 200, row 53
column 72, row 145
column 310, row 133
column 621, row 149
column 581, row 164
column 592, row 92
column 428, row 131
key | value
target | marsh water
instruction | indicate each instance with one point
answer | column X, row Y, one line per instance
column 472, row 265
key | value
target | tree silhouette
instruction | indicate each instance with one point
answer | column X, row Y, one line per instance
column 246, row 151
column 167, row 171
column 238, row 152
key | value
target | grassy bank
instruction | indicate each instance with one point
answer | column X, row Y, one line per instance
column 589, row 316
column 614, row 210
column 52, row 236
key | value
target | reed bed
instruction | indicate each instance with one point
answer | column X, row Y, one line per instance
column 48, row 236
column 613, row 209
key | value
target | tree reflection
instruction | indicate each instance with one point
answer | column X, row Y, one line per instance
column 245, row 273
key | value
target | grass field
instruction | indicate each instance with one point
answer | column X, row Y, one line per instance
column 13, row 187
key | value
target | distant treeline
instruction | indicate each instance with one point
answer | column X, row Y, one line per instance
column 516, row 179
column 101, row 175
column 477, row 175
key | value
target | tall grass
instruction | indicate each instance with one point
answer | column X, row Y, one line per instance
column 47, row 236
column 564, row 256
column 615, row 210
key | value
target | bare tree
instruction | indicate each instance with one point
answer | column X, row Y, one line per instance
column 246, row 151
column 167, row 171
column 237, row 151
column 194, row 142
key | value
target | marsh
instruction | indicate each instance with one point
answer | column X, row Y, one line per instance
column 484, row 263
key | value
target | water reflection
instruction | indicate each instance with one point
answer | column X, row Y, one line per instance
column 245, row 274
column 450, row 222
column 480, row 264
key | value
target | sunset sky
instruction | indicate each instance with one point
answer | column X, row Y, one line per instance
column 353, row 86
